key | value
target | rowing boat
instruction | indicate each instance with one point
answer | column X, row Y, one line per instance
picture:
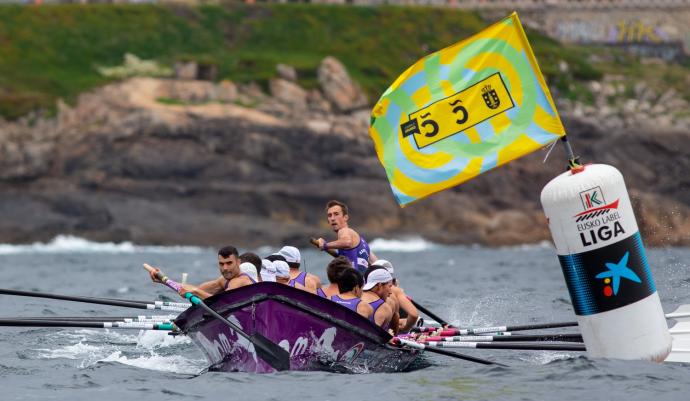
column 317, row 333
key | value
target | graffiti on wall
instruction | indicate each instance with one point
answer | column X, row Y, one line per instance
column 635, row 35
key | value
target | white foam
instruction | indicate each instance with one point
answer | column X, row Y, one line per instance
column 76, row 351
column 157, row 339
column 71, row 244
column 172, row 363
column 412, row 244
column 530, row 247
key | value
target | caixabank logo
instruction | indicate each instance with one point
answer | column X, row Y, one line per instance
column 608, row 278
column 598, row 221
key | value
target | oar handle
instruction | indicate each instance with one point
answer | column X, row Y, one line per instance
column 315, row 242
column 163, row 278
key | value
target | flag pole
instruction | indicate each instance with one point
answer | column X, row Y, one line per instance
column 573, row 161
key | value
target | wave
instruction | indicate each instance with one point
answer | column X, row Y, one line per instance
column 412, row 244
column 71, row 244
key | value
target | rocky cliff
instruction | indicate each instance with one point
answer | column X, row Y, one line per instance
column 194, row 162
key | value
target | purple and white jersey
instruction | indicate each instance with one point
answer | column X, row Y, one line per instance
column 359, row 255
column 348, row 303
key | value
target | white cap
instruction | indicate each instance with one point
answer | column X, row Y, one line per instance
column 385, row 264
column 290, row 253
column 282, row 269
column 376, row 277
column 250, row 270
column 268, row 270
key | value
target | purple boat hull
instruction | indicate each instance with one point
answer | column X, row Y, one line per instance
column 319, row 334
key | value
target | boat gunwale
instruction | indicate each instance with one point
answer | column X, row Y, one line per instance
column 376, row 335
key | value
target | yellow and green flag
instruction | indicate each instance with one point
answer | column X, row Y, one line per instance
column 463, row 110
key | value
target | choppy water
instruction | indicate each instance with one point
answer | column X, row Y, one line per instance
column 475, row 286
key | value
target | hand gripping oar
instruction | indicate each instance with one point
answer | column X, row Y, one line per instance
column 315, row 242
column 270, row 352
column 424, row 310
column 412, row 344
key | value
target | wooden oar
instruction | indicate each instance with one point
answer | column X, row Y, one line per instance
column 270, row 352
column 91, row 300
column 95, row 325
column 514, row 346
column 412, row 344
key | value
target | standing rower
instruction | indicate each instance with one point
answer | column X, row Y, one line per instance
column 376, row 291
column 350, row 284
column 349, row 243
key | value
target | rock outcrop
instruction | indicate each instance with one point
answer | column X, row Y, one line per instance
column 169, row 162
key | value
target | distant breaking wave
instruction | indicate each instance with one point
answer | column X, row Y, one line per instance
column 413, row 244
column 71, row 244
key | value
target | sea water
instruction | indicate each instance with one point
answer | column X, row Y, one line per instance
column 471, row 285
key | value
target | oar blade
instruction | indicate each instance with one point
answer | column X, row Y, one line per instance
column 270, row 352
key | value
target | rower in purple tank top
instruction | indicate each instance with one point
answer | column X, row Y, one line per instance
column 350, row 286
column 349, row 243
column 300, row 279
column 376, row 290
column 305, row 280
column 350, row 303
column 358, row 256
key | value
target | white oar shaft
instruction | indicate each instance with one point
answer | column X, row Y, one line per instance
column 166, row 308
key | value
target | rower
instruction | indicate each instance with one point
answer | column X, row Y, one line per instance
column 293, row 258
column 350, row 284
column 349, row 243
column 268, row 271
column 255, row 260
column 275, row 258
column 282, row 271
column 376, row 290
column 249, row 270
column 405, row 305
column 335, row 268
column 230, row 277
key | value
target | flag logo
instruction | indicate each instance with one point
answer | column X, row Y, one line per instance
column 490, row 97
column 592, row 198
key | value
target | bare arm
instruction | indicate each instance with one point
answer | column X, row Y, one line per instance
column 395, row 321
column 213, row 286
column 383, row 315
column 364, row 309
column 194, row 290
column 407, row 306
column 346, row 240
column 372, row 257
column 312, row 283
column 238, row 282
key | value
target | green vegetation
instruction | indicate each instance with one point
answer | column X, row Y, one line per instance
column 55, row 51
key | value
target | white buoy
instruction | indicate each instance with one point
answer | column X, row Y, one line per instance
column 184, row 278
column 605, row 266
